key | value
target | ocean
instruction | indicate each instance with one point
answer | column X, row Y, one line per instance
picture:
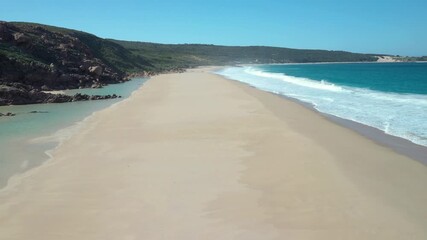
column 27, row 138
column 391, row 97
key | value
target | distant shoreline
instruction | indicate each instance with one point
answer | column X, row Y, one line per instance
column 260, row 64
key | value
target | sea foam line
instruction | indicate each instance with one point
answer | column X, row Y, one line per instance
column 305, row 82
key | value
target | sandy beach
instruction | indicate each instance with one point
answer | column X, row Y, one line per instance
column 196, row 156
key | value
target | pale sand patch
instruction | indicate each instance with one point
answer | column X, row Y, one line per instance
column 387, row 59
column 195, row 156
column 55, row 92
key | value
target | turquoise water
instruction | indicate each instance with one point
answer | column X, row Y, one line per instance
column 20, row 145
column 405, row 78
column 391, row 97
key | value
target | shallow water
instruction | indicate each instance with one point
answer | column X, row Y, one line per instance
column 25, row 138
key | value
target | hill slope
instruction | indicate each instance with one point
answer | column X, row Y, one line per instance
column 164, row 56
column 36, row 57
column 58, row 58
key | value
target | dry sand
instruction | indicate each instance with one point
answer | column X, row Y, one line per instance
column 195, row 156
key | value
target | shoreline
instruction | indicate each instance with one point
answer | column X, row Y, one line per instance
column 76, row 128
column 79, row 127
column 308, row 63
column 237, row 163
column 398, row 144
column 46, row 143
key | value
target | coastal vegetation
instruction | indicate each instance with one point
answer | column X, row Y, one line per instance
column 167, row 56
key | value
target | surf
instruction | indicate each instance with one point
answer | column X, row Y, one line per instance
column 402, row 115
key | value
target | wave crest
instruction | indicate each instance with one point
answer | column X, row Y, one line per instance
column 304, row 82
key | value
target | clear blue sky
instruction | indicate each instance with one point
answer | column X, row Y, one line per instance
column 368, row 26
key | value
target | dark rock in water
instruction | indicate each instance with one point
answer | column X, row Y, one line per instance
column 58, row 98
column 80, row 97
column 101, row 97
column 38, row 112
column 9, row 114
column 95, row 97
column 18, row 94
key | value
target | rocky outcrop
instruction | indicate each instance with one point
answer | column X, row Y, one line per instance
column 35, row 58
column 96, row 70
column 19, row 94
column 150, row 73
column 9, row 114
column 21, row 38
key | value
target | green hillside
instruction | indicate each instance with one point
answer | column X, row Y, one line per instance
column 112, row 54
column 164, row 56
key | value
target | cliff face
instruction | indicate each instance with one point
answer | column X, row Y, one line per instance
column 44, row 59
column 35, row 58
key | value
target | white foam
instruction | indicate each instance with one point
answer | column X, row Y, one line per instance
column 305, row 82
